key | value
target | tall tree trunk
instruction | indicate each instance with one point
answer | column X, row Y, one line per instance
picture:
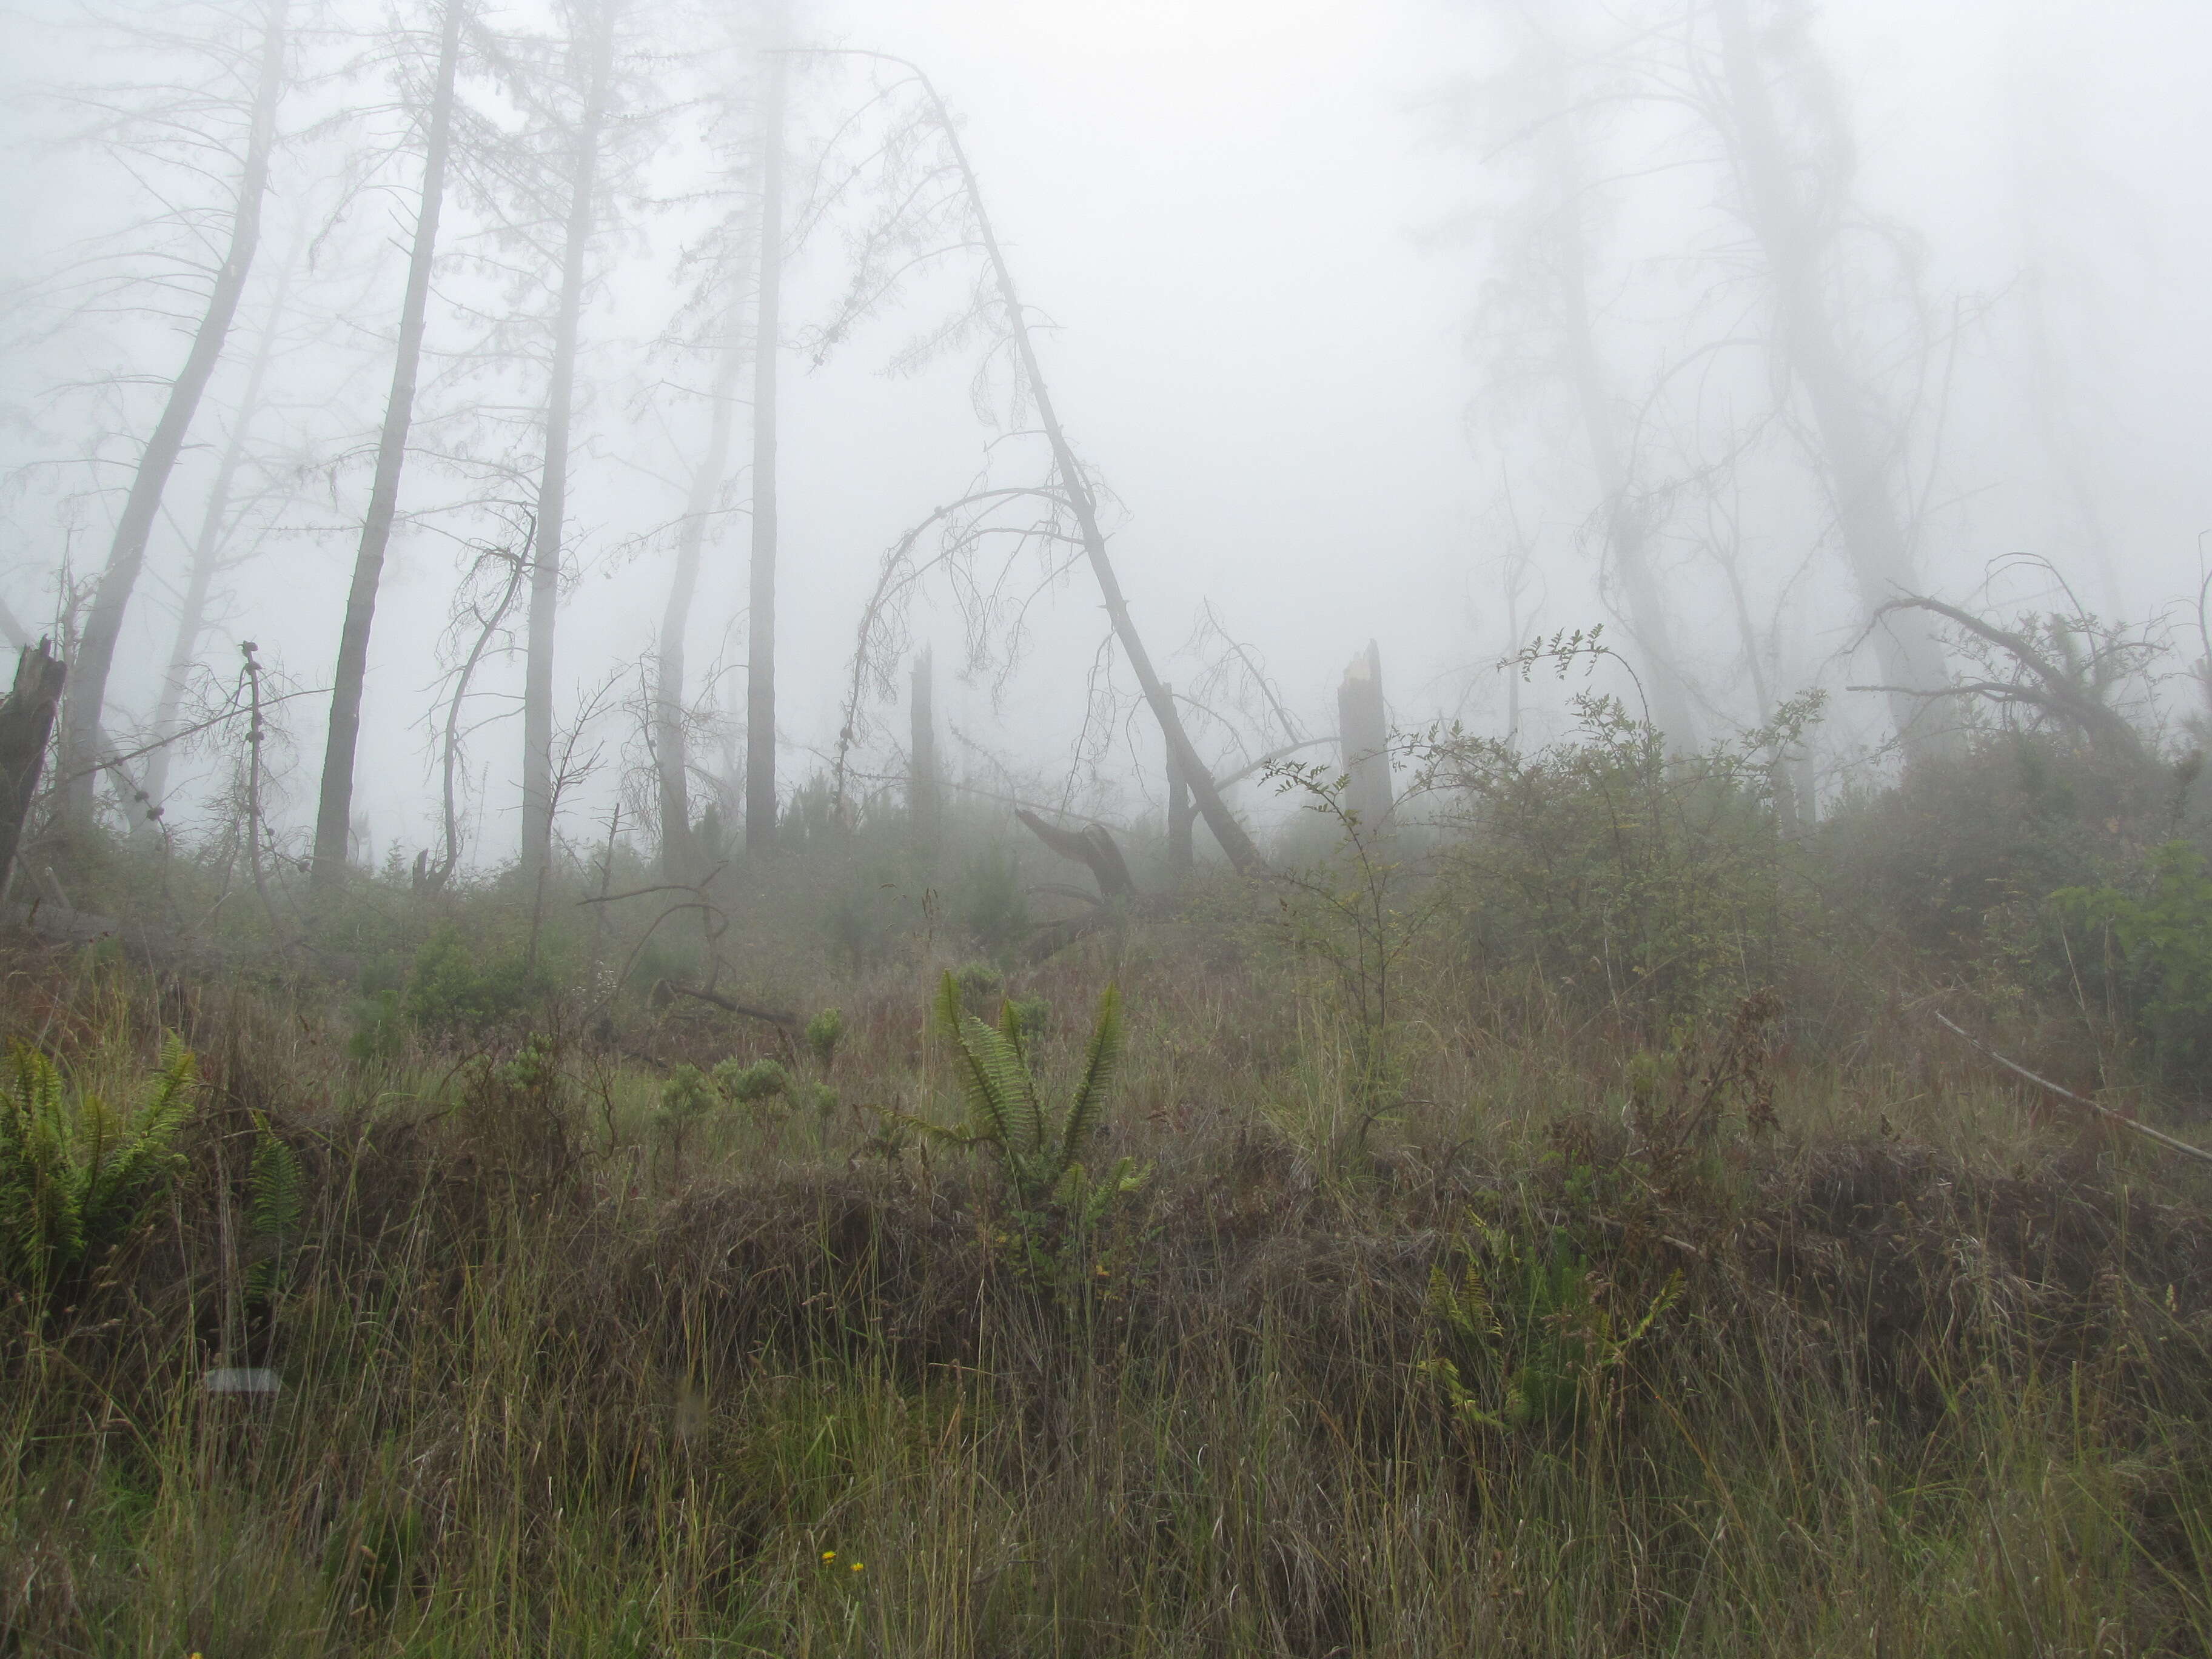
column 923, row 803
column 760, row 650
column 208, row 547
column 537, row 781
column 334, row 810
column 1627, row 527
column 670, row 749
column 1230, row 834
column 1859, row 471
column 126, row 553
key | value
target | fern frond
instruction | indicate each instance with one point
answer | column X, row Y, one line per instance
column 1099, row 1064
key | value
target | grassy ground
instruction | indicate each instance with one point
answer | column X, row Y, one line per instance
column 1835, row 1347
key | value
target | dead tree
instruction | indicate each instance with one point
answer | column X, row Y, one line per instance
column 208, row 545
column 1093, row 846
column 591, row 51
column 760, row 622
column 1070, row 485
column 670, row 742
column 126, row 553
column 1798, row 239
column 26, row 721
column 334, row 812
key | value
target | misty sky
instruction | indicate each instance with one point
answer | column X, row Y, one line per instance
column 1238, row 217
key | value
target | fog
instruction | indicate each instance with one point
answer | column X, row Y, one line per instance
column 1330, row 298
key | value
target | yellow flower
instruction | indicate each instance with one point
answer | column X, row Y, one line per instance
column 857, row 1565
column 826, row 1555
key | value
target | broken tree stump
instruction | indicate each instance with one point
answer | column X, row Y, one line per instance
column 1362, row 726
column 26, row 722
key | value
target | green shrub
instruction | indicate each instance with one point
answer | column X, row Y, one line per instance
column 2152, row 944
column 754, row 1084
column 989, row 903
column 1655, row 885
column 824, row 1033
column 76, row 1174
column 449, row 991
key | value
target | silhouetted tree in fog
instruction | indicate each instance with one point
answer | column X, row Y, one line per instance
column 333, row 814
column 127, row 557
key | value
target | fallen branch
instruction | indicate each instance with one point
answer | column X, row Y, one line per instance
column 2069, row 1096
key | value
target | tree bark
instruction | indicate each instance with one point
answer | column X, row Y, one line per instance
column 1859, row 473
column 334, row 810
column 126, row 553
column 27, row 721
column 537, row 849
column 760, row 651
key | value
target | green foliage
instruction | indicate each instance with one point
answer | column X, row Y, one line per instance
column 1030, row 1015
column 754, row 1084
column 450, row 993
column 275, row 1202
column 2157, row 951
column 1651, row 884
column 978, row 981
column 378, row 1026
column 76, row 1173
column 1353, row 912
column 989, row 903
column 686, row 1095
column 1524, row 1339
column 824, row 1033
column 1038, row 1150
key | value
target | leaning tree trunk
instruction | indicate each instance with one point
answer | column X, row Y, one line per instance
column 334, row 810
column 208, row 550
column 1230, row 834
column 537, row 783
column 759, row 649
column 1856, row 460
column 27, row 721
column 126, row 553
column 672, row 760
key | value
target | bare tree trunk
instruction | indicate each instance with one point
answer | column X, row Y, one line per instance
column 760, row 651
column 126, row 553
column 670, row 750
column 1180, row 853
column 923, row 805
column 1234, row 841
column 27, row 721
column 207, row 549
column 537, row 797
column 334, row 810
column 1362, row 723
column 1859, row 470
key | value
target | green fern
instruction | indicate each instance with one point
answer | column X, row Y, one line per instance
column 277, row 1199
column 76, row 1174
column 1038, row 1150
